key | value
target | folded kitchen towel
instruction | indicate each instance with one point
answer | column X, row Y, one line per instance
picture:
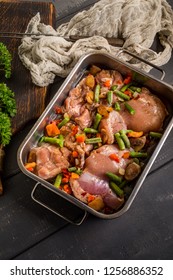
column 136, row 21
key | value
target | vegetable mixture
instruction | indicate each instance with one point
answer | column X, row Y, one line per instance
column 97, row 145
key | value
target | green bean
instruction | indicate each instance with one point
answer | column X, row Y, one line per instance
column 125, row 138
column 63, row 122
column 125, row 87
column 55, row 141
column 155, row 134
column 120, row 141
column 114, row 177
column 117, row 106
column 97, row 93
column 114, row 87
column 97, row 120
column 138, row 154
column 78, row 171
column 58, row 180
column 110, row 97
column 90, row 130
column 138, row 89
column 123, row 184
column 93, row 140
column 122, row 95
column 72, row 169
column 129, row 108
column 116, row 189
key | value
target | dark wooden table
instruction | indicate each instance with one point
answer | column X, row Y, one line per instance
column 28, row 231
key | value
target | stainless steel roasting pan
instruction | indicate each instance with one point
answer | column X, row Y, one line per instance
column 66, row 204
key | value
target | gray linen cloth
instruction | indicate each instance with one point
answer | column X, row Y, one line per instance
column 136, row 21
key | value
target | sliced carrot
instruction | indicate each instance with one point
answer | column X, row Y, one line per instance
column 127, row 80
column 31, row 169
column 74, row 130
column 80, row 138
column 65, row 180
column 75, row 154
column 90, row 198
column 74, row 175
column 52, row 129
column 126, row 155
column 128, row 92
column 119, row 82
column 67, row 189
column 30, row 166
column 135, row 134
column 107, row 83
column 58, row 110
column 114, row 157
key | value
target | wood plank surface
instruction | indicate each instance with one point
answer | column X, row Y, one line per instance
column 30, row 99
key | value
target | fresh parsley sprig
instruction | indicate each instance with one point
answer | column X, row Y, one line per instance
column 5, row 60
column 7, row 100
column 7, row 105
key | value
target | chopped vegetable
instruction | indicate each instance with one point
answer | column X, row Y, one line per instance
column 132, row 171
column 135, row 134
column 52, row 129
column 117, row 106
column 58, row 110
column 97, row 204
column 137, row 89
column 126, row 155
column 123, row 184
column 94, row 69
column 55, row 141
column 122, row 95
column 93, row 140
column 67, row 189
column 58, row 180
column 72, row 169
column 80, row 138
column 74, row 130
column 120, row 141
column 129, row 108
column 64, row 121
column 138, row 154
column 114, row 157
column 91, row 198
column 90, row 97
column 127, row 80
column 90, row 130
column 114, row 87
column 97, row 120
column 125, row 87
column 107, row 83
column 74, row 175
column 116, row 189
column 125, row 138
column 155, row 134
column 110, row 97
column 97, row 93
column 90, row 81
column 115, row 178
column 75, row 154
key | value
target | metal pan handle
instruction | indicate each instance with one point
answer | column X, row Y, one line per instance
column 145, row 61
column 59, row 205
